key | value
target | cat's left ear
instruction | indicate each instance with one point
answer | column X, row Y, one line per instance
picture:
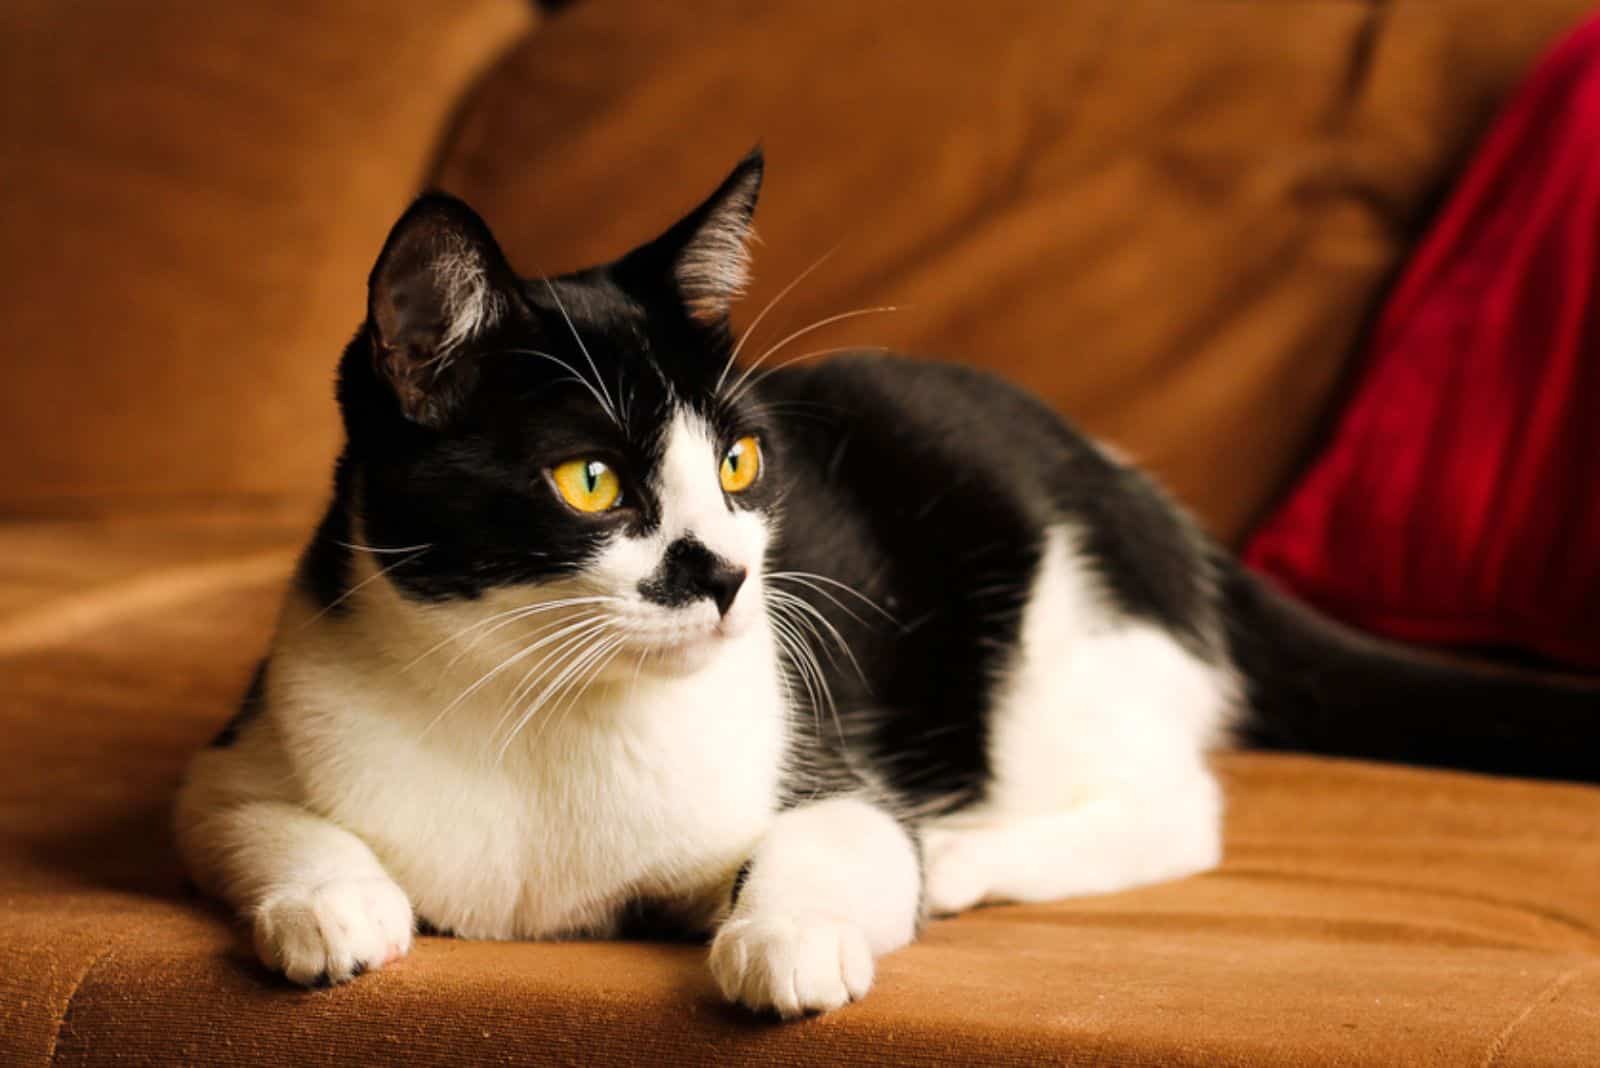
column 705, row 256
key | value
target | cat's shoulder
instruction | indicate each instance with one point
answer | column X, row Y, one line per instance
column 902, row 395
column 892, row 373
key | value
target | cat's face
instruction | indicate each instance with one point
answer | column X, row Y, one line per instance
column 575, row 450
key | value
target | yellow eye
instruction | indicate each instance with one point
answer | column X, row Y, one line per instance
column 741, row 465
column 588, row 485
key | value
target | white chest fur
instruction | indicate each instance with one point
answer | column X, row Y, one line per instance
column 647, row 785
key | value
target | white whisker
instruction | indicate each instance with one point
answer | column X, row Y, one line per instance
column 518, row 615
column 787, row 674
column 376, row 549
column 785, row 608
column 351, row 592
column 810, row 578
column 798, row 334
column 531, row 679
column 792, row 646
column 480, row 681
column 527, row 651
column 585, row 666
column 510, row 615
column 609, row 405
column 813, row 354
column 573, row 375
column 773, row 303
column 801, row 605
column 573, row 641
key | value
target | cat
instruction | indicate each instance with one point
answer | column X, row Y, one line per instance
column 606, row 630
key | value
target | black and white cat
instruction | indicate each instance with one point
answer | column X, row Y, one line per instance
column 604, row 630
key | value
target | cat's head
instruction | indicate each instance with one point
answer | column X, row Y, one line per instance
column 578, row 437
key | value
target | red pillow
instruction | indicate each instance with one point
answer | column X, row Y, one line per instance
column 1458, row 500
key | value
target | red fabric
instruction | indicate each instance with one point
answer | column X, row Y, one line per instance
column 1458, row 500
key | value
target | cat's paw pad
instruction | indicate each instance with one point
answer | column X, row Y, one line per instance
column 954, row 875
column 333, row 933
column 791, row 965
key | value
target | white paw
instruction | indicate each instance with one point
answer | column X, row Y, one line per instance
column 791, row 965
column 333, row 933
column 954, row 875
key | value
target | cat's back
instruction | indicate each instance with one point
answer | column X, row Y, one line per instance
column 921, row 402
column 956, row 464
column 890, row 464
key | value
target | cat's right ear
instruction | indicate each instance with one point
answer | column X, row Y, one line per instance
column 441, row 285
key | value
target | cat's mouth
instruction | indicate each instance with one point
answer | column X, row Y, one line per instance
column 681, row 655
column 679, row 649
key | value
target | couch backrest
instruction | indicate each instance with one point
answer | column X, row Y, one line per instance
column 1172, row 218
column 191, row 196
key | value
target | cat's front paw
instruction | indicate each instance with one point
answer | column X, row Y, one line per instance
column 334, row 932
column 954, row 873
column 791, row 965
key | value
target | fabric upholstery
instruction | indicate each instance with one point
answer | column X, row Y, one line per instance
column 1171, row 219
column 1170, row 216
column 1455, row 501
column 194, row 194
column 1361, row 910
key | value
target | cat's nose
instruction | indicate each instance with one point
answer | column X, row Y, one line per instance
column 690, row 571
column 722, row 582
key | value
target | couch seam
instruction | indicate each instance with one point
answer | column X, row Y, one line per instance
column 1547, row 996
column 72, row 999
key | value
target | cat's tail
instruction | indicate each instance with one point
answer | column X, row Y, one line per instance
column 1314, row 685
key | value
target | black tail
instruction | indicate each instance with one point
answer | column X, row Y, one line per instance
column 1316, row 686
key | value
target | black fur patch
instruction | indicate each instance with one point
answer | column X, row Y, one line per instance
column 689, row 572
column 653, row 920
column 906, row 483
column 740, row 877
column 1314, row 685
column 426, row 926
column 249, row 708
column 324, row 568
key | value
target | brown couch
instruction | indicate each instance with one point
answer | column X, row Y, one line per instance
column 1172, row 217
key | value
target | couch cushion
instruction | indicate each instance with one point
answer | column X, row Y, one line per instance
column 1170, row 218
column 1364, row 914
column 1455, row 501
column 194, row 195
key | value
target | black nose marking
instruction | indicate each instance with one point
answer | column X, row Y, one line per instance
column 690, row 571
column 724, row 582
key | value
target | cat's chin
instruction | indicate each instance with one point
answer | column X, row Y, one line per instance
column 684, row 654
column 682, row 658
